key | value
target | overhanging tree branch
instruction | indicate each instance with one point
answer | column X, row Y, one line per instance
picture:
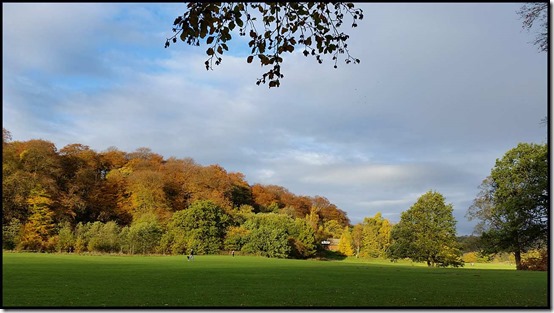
column 286, row 26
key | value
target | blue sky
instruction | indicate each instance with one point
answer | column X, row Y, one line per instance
column 442, row 91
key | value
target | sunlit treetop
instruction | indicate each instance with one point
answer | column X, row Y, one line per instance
column 274, row 28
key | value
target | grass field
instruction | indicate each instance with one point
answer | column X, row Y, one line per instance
column 58, row 280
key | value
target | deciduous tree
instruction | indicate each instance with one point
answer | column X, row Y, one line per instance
column 235, row 238
column 345, row 243
column 212, row 183
column 427, row 233
column 40, row 224
column 146, row 189
column 66, row 238
column 357, row 238
column 376, row 236
column 274, row 29
column 143, row 236
column 333, row 228
column 513, row 203
column 202, row 227
column 11, row 234
column 81, row 186
column 104, row 237
column 302, row 239
column 269, row 235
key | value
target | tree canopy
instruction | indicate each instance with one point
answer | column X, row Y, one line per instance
column 77, row 199
column 427, row 233
column 274, row 29
column 513, row 203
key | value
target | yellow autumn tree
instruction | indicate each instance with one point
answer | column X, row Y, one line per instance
column 40, row 224
column 345, row 243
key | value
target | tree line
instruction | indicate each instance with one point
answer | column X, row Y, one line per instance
column 79, row 200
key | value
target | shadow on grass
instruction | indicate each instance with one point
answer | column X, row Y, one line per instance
column 328, row 255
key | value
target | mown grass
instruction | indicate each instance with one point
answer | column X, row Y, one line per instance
column 58, row 280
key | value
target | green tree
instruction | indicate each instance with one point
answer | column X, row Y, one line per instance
column 513, row 203
column 357, row 238
column 469, row 243
column 201, row 227
column 376, row 236
column 144, row 234
column 427, row 233
column 82, row 237
column 235, row 238
column 315, row 221
column 302, row 239
column 333, row 228
column 277, row 235
column 11, row 234
column 104, row 237
column 66, row 238
column 274, row 29
column 268, row 235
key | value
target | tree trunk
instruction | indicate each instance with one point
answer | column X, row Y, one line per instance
column 517, row 255
column 428, row 263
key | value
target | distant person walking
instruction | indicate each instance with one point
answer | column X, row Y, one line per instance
column 191, row 255
column 233, row 253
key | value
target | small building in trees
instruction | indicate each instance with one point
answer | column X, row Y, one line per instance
column 331, row 244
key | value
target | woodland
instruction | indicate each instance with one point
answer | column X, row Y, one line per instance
column 77, row 200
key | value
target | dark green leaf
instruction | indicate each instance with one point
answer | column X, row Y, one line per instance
column 239, row 21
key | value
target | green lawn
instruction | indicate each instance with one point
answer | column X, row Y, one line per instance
column 54, row 280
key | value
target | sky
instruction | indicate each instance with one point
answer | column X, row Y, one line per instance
column 442, row 91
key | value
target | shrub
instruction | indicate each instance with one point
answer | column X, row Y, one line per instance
column 235, row 238
column 82, row 237
column 11, row 234
column 51, row 244
column 470, row 257
column 265, row 237
column 104, row 237
column 144, row 235
column 535, row 261
column 66, row 238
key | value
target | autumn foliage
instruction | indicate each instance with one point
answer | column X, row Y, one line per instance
column 77, row 199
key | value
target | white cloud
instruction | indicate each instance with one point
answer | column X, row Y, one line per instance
column 53, row 37
column 442, row 90
column 265, row 174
